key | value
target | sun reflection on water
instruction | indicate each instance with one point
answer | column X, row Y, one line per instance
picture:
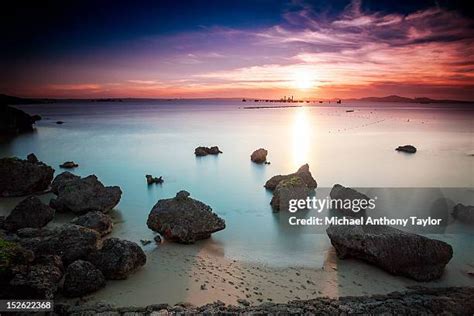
column 301, row 138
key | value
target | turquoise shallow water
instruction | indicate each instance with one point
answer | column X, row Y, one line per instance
column 121, row 142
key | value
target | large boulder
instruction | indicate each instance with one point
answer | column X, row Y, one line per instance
column 70, row 242
column 82, row 278
column 62, row 179
column 303, row 172
column 13, row 120
column 84, row 195
column 204, row 151
column 464, row 213
column 288, row 189
column 183, row 219
column 259, row 155
column 98, row 221
column 410, row 149
column 30, row 212
column 396, row 251
column 118, row 258
column 20, row 177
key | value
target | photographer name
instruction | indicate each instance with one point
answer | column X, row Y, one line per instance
column 341, row 221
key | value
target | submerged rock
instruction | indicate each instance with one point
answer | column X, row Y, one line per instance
column 150, row 179
column 288, row 189
column 303, row 172
column 30, row 212
column 13, row 120
column 464, row 213
column 70, row 242
column 98, row 221
column 82, row 278
column 183, row 219
column 407, row 148
column 84, row 195
column 204, row 151
column 69, row 165
column 396, row 251
column 61, row 179
column 22, row 177
column 259, row 155
column 118, row 258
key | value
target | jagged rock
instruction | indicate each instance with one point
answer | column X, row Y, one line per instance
column 150, row 179
column 13, row 120
column 82, row 278
column 118, row 258
column 303, row 172
column 70, row 242
column 407, row 148
column 30, row 212
column 183, row 219
column 38, row 281
column 98, row 221
column 69, row 165
column 393, row 250
column 32, row 158
column 464, row 213
column 84, row 195
column 343, row 195
column 61, row 179
column 288, row 189
column 22, row 177
column 259, row 155
column 204, row 151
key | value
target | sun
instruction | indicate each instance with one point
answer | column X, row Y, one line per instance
column 303, row 79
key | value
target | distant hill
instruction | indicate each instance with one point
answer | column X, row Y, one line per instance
column 397, row 98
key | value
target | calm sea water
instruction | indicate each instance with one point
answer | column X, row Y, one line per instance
column 121, row 142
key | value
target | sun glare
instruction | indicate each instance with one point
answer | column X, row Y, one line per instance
column 303, row 79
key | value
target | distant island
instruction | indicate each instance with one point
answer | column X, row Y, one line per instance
column 397, row 98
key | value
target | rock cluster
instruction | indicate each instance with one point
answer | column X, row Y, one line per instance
column 183, row 219
column 150, row 179
column 204, row 151
column 303, row 173
column 22, row 177
column 259, row 155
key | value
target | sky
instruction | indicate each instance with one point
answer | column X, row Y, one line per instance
column 253, row 49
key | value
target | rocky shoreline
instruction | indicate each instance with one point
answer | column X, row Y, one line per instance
column 419, row 301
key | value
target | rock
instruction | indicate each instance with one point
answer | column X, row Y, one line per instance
column 21, row 177
column 59, row 122
column 38, row 281
column 407, row 148
column 150, row 179
column 397, row 252
column 204, row 151
column 183, row 219
column 13, row 259
column 145, row 242
column 259, row 155
column 32, row 158
column 286, row 190
column 82, row 278
column 98, row 221
column 118, row 258
column 84, row 195
column 343, row 194
column 464, row 213
column 14, row 120
column 30, row 212
column 243, row 302
column 69, row 165
column 70, row 242
column 157, row 239
column 61, row 179
column 303, row 172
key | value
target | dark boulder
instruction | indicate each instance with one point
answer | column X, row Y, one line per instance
column 82, row 278
column 288, row 189
column 98, row 221
column 464, row 213
column 407, row 149
column 13, row 120
column 22, row 177
column 30, row 212
column 259, row 155
column 118, row 258
column 396, row 251
column 69, row 165
column 84, row 195
column 303, row 172
column 61, row 179
column 70, row 242
column 348, row 201
column 183, row 219
column 204, row 151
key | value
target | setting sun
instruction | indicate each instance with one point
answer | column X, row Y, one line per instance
column 303, row 79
